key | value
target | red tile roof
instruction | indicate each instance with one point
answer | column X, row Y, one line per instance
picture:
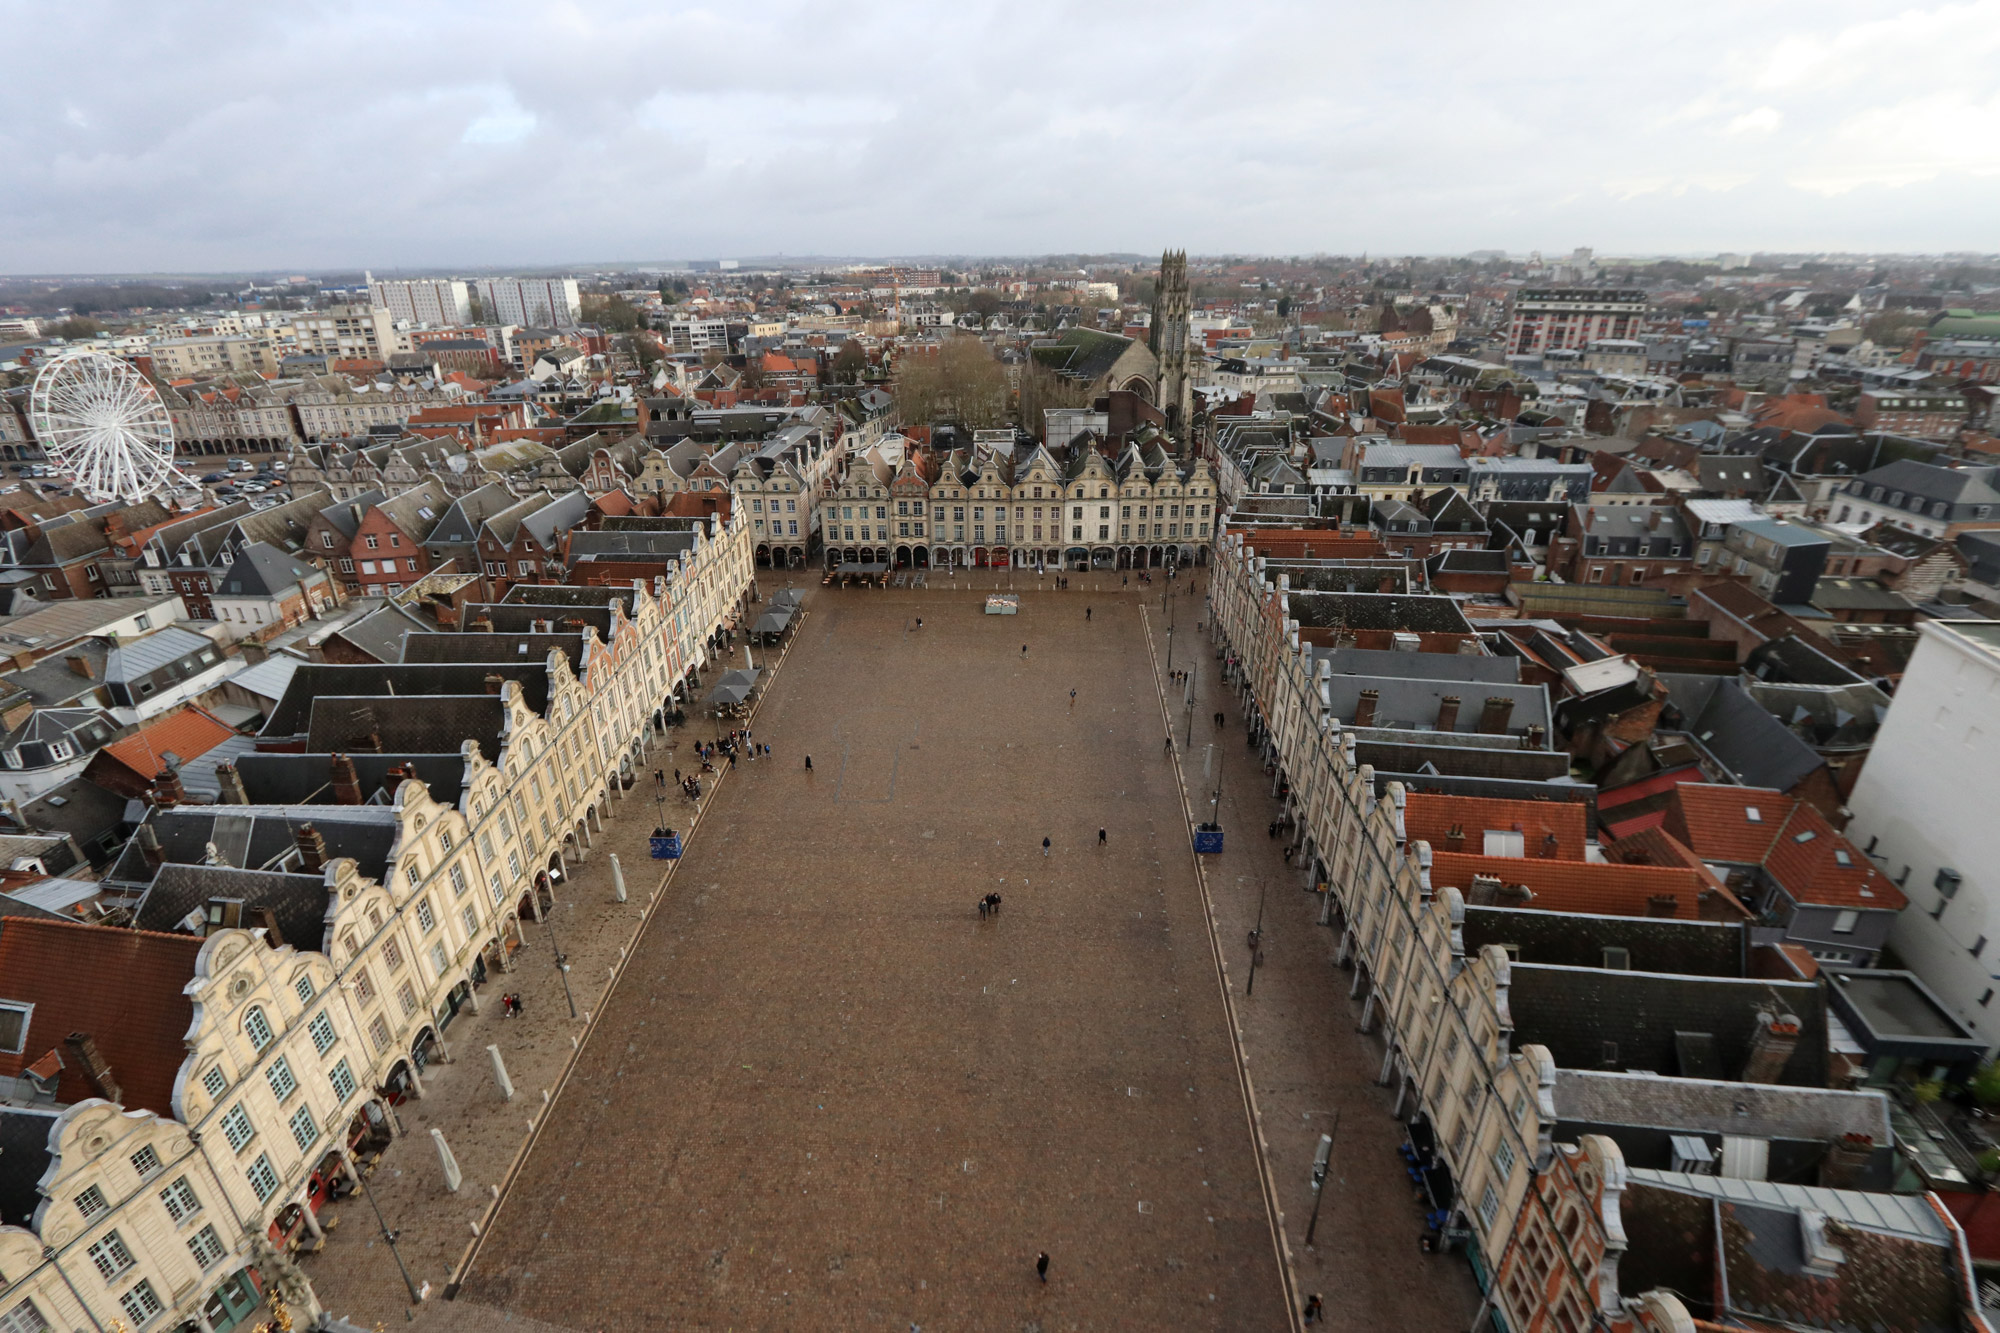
column 1577, row 886
column 123, row 987
column 1734, row 824
column 1430, row 816
column 1807, row 857
column 188, row 734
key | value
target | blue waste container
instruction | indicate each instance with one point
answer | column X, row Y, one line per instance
column 1208, row 840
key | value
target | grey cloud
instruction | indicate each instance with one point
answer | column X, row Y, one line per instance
column 233, row 136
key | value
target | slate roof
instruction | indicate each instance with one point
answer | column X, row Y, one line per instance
column 262, row 570
column 423, row 724
column 1576, row 939
column 24, row 1157
column 268, row 678
column 271, row 778
column 1581, row 1013
column 381, row 632
column 1413, row 704
column 121, row 986
column 1422, row 666
column 298, row 901
column 259, row 837
column 132, row 659
column 1753, row 746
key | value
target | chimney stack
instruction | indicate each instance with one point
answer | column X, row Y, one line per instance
column 1448, row 713
column 1364, row 708
column 95, row 1067
column 346, row 782
column 149, row 846
column 1662, row 905
column 1770, row 1047
column 1533, row 739
column 1493, row 720
column 493, row 684
column 1454, row 838
column 167, row 789
column 1485, row 890
column 1846, row 1160
column 232, row 786
column 312, row 849
column 80, row 665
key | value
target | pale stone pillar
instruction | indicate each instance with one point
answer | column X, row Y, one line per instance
column 505, row 1084
column 452, row 1178
column 617, row 879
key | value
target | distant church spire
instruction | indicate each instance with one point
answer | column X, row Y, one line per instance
column 1168, row 339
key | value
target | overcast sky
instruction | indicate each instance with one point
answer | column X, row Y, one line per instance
column 222, row 136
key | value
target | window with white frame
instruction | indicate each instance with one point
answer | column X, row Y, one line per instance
column 440, row 960
column 24, row 1318
column 426, row 918
column 1844, row 922
column 110, row 1256
column 14, row 1026
column 279, row 1075
column 304, row 1128
column 215, row 1082
column 263, row 1180
column 236, row 1127
column 180, row 1200
column 206, row 1247
column 91, row 1203
column 140, row 1304
column 146, row 1162
column 304, row 987
column 1489, row 1207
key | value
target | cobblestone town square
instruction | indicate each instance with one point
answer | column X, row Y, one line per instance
column 827, row 1093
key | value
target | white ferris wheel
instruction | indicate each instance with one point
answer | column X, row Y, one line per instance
column 101, row 421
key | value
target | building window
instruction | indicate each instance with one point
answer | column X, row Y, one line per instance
column 407, row 997
column 1844, row 922
column 24, row 1318
column 180, row 1200
column 378, row 1032
column 1489, row 1207
column 141, row 1306
column 305, row 1130
column 257, row 1028
column 279, row 1075
column 342, row 1079
column 91, row 1202
column 458, row 880
column 146, row 1162
column 110, row 1256
column 322, row 1033
column 425, row 917
column 236, row 1127
column 206, row 1247
column 263, row 1179
column 215, row 1081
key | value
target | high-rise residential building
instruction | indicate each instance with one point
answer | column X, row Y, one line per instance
column 1547, row 318
column 542, row 303
column 1920, row 812
column 441, row 302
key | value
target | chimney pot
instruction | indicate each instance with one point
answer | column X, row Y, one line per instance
column 80, row 665
column 346, row 782
column 312, row 849
column 1448, row 713
column 1364, row 708
column 1493, row 720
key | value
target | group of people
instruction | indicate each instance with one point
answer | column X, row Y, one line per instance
column 989, row 905
column 510, row 1005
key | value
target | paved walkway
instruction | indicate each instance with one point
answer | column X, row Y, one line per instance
column 1313, row 1072
column 829, row 1094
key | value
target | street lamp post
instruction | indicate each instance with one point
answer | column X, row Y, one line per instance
column 562, row 961
column 1257, row 937
column 389, row 1237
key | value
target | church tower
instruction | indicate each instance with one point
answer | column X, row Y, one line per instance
column 1169, row 340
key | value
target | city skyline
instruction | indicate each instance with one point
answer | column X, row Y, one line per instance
column 225, row 139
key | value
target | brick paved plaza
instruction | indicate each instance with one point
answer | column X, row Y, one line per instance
column 827, row 1094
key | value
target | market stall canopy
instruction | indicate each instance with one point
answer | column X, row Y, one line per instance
column 735, row 687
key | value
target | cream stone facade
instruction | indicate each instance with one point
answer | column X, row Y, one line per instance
column 1442, row 1015
column 296, row 1053
column 988, row 508
column 214, row 354
column 333, row 410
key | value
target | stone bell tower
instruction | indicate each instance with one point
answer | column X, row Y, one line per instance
column 1169, row 340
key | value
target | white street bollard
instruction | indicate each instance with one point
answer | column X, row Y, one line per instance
column 452, row 1178
column 500, row 1073
column 617, row 879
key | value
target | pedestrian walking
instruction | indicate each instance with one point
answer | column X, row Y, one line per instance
column 1086, row 613
column 678, row 778
column 920, row 622
column 767, row 751
column 660, row 778
column 1101, row 837
column 1072, row 701
column 1274, row 828
column 993, row 903
column 732, row 760
column 809, row 763
column 1042, row 1267
column 1170, row 745
column 1218, row 722
column 1045, row 846
column 1315, row 1309
column 1288, row 856
column 984, row 907
column 1024, row 650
